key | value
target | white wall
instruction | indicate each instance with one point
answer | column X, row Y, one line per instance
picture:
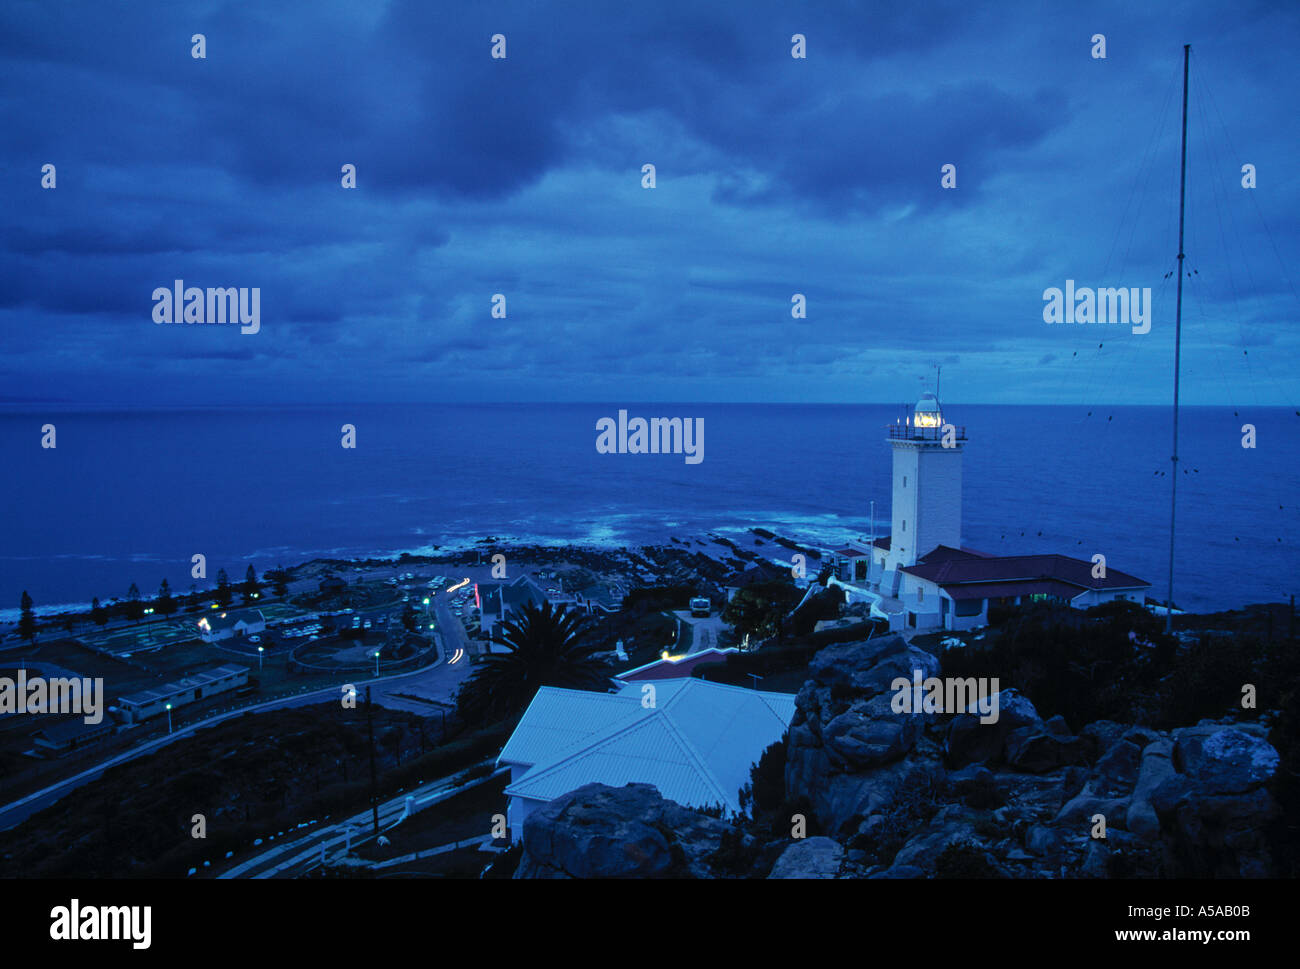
column 926, row 507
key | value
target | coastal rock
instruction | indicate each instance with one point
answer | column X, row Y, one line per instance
column 1057, row 725
column 1116, row 771
column 969, row 740
column 1213, row 807
column 925, row 846
column 1156, row 768
column 599, row 831
column 809, row 858
column 1096, row 860
column 1224, row 760
column 1036, row 749
column 972, row 782
column 845, row 738
column 901, row 871
column 843, row 663
column 1142, row 736
column 1042, row 841
column 870, row 733
column 1103, row 734
column 1078, row 812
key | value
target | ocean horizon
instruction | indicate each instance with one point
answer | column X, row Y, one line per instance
column 130, row 494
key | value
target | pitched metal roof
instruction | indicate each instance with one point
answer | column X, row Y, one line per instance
column 184, row 685
column 696, row 744
column 1022, row 568
column 557, row 719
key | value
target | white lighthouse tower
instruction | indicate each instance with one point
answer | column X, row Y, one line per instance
column 926, row 506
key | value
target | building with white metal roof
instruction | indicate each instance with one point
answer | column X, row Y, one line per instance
column 693, row 740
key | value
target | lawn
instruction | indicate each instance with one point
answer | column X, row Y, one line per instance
column 467, row 815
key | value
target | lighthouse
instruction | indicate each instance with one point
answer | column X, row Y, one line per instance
column 926, row 506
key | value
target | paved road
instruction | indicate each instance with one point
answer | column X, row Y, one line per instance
column 703, row 632
column 437, row 683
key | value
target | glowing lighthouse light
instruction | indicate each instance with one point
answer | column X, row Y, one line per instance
column 927, row 412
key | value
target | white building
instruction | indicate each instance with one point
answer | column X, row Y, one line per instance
column 497, row 600
column 135, row 707
column 921, row 577
column 231, row 625
column 696, row 742
column 926, row 506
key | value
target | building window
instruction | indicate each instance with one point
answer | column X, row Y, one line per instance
column 920, row 593
column 968, row 607
column 904, row 481
column 904, row 524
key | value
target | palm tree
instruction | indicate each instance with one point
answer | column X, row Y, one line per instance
column 545, row 646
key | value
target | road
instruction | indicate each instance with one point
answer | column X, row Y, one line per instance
column 436, row 684
column 704, row 632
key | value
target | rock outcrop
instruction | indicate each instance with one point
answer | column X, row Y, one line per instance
column 599, row 831
column 919, row 795
column 898, row 789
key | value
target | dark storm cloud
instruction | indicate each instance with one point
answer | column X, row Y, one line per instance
column 522, row 176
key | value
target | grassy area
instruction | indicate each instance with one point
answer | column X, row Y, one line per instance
column 467, row 815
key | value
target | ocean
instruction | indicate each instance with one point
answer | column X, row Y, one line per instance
column 130, row 495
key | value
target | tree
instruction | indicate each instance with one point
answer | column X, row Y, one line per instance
column 760, row 609
column 280, row 578
column 165, row 605
column 251, row 586
column 98, row 613
column 134, row 607
column 408, row 618
column 223, row 588
column 27, row 621
column 544, row 646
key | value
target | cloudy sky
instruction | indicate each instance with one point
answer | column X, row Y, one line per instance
column 523, row 176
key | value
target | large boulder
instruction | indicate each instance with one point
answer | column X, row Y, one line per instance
column 1224, row 760
column 1116, row 771
column 1037, row 749
column 809, row 858
column 598, row 831
column 845, row 738
column 970, row 740
column 1214, row 807
column 870, row 733
column 1156, row 768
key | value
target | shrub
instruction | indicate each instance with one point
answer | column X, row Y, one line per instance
column 964, row 859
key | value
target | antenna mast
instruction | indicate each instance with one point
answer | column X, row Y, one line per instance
column 1178, row 343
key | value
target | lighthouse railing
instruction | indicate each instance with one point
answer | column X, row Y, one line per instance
column 906, row 432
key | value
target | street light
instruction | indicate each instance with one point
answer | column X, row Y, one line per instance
column 259, row 658
column 169, row 718
column 376, row 662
